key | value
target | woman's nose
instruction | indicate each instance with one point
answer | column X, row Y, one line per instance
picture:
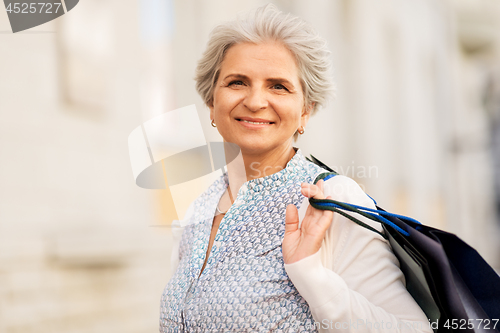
column 256, row 100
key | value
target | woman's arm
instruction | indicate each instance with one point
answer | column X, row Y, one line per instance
column 363, row 290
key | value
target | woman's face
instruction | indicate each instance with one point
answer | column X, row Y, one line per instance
column 258, row 102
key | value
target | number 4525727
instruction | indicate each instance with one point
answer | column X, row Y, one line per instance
column 462, row 324
column 32, row 8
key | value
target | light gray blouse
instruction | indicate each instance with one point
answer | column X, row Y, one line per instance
column 244, row 286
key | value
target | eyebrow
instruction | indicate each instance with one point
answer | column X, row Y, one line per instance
column 271, row 79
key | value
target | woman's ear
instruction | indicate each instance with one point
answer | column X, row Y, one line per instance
column 211, row 107
column 306, row 113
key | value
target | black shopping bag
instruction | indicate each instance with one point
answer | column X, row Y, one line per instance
column 452, row 283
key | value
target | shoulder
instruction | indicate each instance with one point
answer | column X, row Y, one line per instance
column 345, row 189
column 339, row 187
column 202, row 208
column 345, row 239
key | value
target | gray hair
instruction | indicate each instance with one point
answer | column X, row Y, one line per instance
column 264, row 24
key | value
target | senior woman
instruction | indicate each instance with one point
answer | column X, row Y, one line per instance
column 254, row 256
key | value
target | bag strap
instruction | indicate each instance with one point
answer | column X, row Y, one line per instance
column 378, row 215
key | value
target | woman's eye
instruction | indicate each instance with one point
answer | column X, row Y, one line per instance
column 236, row 83
column 279, row 87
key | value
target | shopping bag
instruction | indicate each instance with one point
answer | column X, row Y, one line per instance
column 452, row 283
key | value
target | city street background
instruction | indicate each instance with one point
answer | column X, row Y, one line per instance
column 416, row 122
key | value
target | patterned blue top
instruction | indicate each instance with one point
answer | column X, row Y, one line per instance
column 244, row 286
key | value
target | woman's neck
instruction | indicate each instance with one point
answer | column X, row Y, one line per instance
column 246, row 167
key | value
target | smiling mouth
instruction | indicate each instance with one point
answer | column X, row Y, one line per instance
column 255, row 122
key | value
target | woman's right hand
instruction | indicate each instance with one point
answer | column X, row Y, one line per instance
column 299, row 243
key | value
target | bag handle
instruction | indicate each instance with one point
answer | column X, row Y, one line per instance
column 378, row 215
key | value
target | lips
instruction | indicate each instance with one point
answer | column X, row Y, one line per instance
column 255, row 121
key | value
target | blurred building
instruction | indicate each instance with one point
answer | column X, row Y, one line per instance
column 83, row 249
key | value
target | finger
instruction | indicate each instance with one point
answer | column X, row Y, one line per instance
column 323, row 214
column 315, row 213
column 314, row 233
column 319, row 194
column 326, row 217
column 312, row 191
column 291, row 219
column 325, row 220
column 309, row 190
column 311, row 211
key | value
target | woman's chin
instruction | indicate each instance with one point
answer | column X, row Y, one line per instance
column 256, row 148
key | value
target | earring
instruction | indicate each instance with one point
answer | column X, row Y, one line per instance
column 213, row 123
column 301, row 130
